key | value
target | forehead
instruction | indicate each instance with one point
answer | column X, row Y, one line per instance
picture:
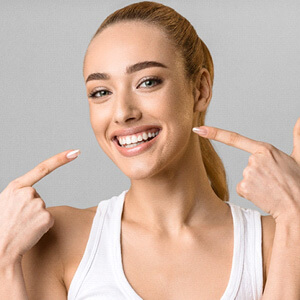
column 127, row 43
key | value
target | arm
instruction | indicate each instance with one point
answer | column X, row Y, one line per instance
column 28, row 240
column 39, row 274
column 12, row 285
column 43, row 266
column 271, row 181
column 283, row 280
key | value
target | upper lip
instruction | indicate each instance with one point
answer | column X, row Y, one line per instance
column 132, row 130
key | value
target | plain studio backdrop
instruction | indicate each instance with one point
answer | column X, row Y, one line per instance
column 44, row 110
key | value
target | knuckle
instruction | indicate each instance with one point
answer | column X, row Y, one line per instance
column 43, row 169
column 233, row 138
column 48, row 218
column 246, row 172
column 14, row 184
column 251, row 160
column 27, row 193
column 39, row 203
column 30, row 191
column 266, row 148
column 238, row 190
column 243, row 187
column 213, row 133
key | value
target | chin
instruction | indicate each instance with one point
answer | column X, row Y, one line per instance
column 137, row 171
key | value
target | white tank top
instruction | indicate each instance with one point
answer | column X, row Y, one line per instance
column 100, row 274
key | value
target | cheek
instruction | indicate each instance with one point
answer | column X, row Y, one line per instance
column 99, row 120
column 179, row 108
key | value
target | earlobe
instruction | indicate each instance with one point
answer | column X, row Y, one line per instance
column 203, row 91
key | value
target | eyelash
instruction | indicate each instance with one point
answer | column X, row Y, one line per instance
column 156, row 79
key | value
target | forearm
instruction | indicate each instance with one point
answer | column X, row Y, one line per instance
column 283, row 280
column 12, row 284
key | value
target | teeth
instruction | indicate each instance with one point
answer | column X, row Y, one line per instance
column 145, row 136
column 134, row 140
column 133, row 145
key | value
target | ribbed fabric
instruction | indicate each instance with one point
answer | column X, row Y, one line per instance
column 100, row 274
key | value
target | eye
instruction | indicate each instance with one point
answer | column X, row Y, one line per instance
column 98, row 94
column 149, row 81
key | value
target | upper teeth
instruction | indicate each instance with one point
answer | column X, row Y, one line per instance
column 132, row 139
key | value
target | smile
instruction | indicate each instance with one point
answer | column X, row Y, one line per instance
column 133, row 140
column 135, row 144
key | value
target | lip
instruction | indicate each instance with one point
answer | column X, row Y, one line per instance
column 132, row 130
column 128, row 152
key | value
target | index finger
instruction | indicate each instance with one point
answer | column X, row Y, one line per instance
column 232, row 139
column 44, row 168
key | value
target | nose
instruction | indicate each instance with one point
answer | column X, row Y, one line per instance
column 126, row 109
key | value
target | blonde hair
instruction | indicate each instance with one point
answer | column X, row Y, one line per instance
column 195, row 55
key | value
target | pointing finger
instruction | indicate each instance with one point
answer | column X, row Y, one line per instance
column 44, row 168
column 229, row 138
column 296, row 137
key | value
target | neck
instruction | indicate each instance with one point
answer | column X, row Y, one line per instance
column 174, row 199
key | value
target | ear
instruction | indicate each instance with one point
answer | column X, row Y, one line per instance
column 202, row 91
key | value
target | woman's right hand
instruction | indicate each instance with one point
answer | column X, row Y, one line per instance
column 23, row 215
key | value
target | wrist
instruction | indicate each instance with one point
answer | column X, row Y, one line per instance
column 9, row 271
column 291, row 219
column 8, row 260
column 287, row 232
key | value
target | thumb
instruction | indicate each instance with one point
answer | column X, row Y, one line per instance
column 296, row 136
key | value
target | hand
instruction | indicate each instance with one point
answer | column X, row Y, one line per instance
column 23, row 215
column 271, row 179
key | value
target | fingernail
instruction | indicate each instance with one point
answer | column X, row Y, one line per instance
column 201, row 131
column 73, row 154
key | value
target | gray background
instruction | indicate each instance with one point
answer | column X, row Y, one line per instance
column 44, row 109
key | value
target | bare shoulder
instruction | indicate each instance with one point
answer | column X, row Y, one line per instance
column 44, row 264
column 268, row 232
column 72, row 225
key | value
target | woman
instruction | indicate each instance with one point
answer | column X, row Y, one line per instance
column 173, row 234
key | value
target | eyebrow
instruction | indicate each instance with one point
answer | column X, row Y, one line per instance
column 130, row 69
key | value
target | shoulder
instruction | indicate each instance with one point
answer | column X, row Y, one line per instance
column 71, row 225
column 44, row 264
column 268, row 232
column 67, row 222
column 67, row 218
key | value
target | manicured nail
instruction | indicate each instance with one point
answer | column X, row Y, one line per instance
column 201, row 131
column 73, row 154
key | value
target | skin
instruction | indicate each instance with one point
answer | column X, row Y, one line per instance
column 170, row 196
column 272, row 178
column 24, row 221
column 170, row 192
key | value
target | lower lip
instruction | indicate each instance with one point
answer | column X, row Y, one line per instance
column 137, row 149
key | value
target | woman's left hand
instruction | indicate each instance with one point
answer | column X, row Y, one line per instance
column 271, row 179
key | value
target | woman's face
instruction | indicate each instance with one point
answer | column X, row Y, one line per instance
column 148, row 105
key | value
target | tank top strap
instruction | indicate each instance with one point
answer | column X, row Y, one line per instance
column 247, row 270
column 238, row 253
column 90, row 250
column 116, row 207
column 253, row 254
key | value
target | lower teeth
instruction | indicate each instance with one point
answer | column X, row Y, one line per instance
column 133, row 145
column 138, row 143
